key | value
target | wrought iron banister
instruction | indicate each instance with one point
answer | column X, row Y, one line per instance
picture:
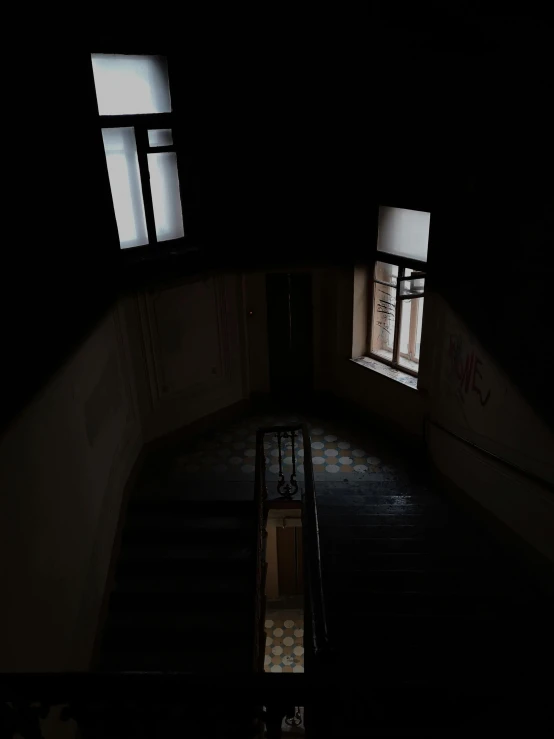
column 314, row 577
column 315, row 604
column 260, row 564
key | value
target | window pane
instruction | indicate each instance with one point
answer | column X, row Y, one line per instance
column 164, row 182
column 123, row 170
column 419, row 326
column 404, row 232
column 382, row 330
column 410, row 333
column 128, row 85
column 160, row 137
column 386, row 272
column 412, row 287
column 405, row 327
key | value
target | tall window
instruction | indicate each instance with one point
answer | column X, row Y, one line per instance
column 398, row 288
column 134, row 104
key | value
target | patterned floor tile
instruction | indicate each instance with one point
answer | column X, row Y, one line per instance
column 284, row 650
column 230, row 454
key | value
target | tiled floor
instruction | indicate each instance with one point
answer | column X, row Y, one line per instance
column 337, row 454
column 284, row 646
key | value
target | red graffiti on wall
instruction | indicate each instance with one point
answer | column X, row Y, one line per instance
column 465, row 368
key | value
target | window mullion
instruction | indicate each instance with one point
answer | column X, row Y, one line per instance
column 141, row 135
column 414, row 310
column 397, row 317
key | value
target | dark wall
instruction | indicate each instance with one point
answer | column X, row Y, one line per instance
column 467, row 136
column 290, row 137
column 59, row 263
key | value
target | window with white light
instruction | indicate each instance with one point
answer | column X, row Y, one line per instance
column 398, row 288
column 134, row 103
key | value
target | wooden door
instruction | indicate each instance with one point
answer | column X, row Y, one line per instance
column 290, row 561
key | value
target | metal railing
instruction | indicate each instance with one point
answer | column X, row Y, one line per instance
column 314, row 601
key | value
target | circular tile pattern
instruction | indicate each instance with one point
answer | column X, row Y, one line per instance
column 235, row 460
column 373, row 460
column 277, row 650
column 278, row 668
column 296, row 668
column 299, row 633
column 268, row 624
column 334, row 468
column 343, row 445
column 358, row 453
column 288, row 641
column 268, row 641
column 300, row 452
column 331, row 453
column 274, row 468
column 287, row 460
column 330, row 437
column 345, row 460
column 299, row 651
column 360, row 468
column 278, row 632
column 248, row 468
column 250, row 453
column 317, row 445
column 267, row 660
column 318, row 460
column 300, row 468
column 289, row 624
column 274, row 452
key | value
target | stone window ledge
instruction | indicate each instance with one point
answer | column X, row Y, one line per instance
column 384, row 369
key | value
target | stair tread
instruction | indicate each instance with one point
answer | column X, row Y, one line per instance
column 186, row 553
column 185, row 583
column 226, row 619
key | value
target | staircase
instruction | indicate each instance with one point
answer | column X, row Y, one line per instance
column 184, row 589
column 433, row 625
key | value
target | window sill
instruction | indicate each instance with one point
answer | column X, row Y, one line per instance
column 383, row 369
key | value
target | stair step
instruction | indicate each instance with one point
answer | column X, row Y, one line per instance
column 192, row 661
column 427, row 581
column 415, row 529
column 417, row 603
column 185, row 556
column 212, row 639
column 191, row 583
column 198, row 536
column 235, row 621
column 427, row 545
column 193, row 508
column 408, row 560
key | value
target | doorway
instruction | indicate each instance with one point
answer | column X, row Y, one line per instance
column 290, row 336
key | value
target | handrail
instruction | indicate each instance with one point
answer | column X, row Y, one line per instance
column 312, row 560
column 260, row 566
column 520, row 470
column 313, row 563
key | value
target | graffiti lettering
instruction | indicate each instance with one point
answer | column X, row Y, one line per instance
column 466, row 371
